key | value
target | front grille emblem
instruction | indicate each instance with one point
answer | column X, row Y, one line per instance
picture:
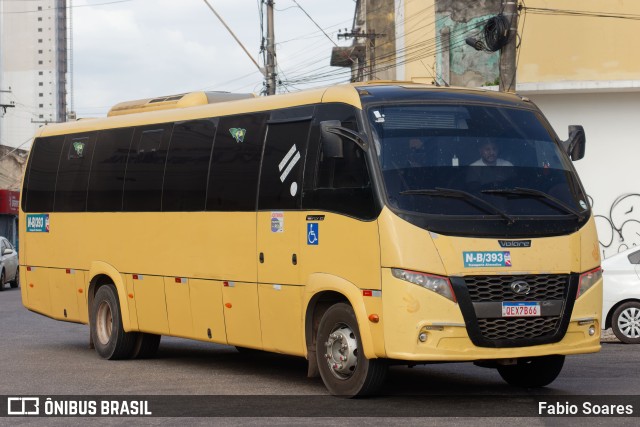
column 520, row 287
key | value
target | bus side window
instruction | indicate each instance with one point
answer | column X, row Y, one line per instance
column 145, row 169
column 282, row 165
column 73, row 173
column 343, row 184
column 235, row 163
column 187, row 170
column 106, row 181
column 39, row 184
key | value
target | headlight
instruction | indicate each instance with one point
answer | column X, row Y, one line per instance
column 438, row 284
column 587, row 280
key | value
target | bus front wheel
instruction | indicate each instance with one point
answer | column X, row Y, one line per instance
column 109, row 338
column 343, row 366
column 533, row 371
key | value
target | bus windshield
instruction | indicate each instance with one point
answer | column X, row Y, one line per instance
column 474, row 160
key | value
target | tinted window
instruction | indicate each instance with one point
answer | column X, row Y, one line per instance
column 187, row 170
column 145, row 169
column 338, row 184
column 39, row 187
column 107, row 170
column 235, row 164
column 282, row 165
column 73, row 173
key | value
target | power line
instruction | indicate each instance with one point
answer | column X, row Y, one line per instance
column 567, row 12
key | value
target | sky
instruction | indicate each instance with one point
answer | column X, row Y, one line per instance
column 134, row 49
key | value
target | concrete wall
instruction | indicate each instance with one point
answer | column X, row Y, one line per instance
column 609, row 171
column 561, row 48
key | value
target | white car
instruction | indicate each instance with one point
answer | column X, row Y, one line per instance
column 621, row 295
column 8, row 264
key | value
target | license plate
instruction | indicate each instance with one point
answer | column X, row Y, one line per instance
column 520, row 309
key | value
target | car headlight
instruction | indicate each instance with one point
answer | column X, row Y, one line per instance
column 438, row 284
column 587, row 280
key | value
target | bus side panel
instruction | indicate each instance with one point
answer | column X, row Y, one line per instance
column 150, row 300
column 344, row 247
column 206, row 310
column 241, row 314
column 216, row 245
column 281, row 318
column 178, row 306
column 37, row 289
column 81, row 283
column 64, row 302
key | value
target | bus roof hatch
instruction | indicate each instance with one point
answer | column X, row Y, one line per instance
column 183, row 100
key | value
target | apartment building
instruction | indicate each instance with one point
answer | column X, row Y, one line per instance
column 33, row 67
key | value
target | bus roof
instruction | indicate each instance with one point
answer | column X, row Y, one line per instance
column 356, row 94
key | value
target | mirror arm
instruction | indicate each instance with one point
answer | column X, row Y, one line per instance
column 349, row 134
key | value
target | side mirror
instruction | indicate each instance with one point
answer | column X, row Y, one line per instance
column 332, row 146
column 575, row 144
column 7, row 251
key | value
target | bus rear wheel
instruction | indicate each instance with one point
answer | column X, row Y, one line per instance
column 109, row 338
column 343, row 366
column 532, row 372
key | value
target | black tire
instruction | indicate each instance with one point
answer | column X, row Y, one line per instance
column 625, row 322
column 110, row 340
column 249, row 352
column 2, row 281
column 146, row 346
column 16, row 280
column 344, row 369
column 532, row 372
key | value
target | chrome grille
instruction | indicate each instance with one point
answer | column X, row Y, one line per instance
column 497, row 288
column 517, row 328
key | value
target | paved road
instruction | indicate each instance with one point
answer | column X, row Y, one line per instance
column 45, row 357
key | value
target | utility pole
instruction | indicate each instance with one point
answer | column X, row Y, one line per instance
column 270, row 72
column 508, row 52
column 371, row 37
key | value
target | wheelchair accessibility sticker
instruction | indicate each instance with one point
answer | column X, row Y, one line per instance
column 312, row 233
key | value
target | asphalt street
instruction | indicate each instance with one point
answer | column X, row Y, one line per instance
column 44, row 357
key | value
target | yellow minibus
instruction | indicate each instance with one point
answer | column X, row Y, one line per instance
column 357, row 226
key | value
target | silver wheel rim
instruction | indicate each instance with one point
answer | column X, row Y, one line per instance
column 629, row 322
column 342, row 351
column 104, row 323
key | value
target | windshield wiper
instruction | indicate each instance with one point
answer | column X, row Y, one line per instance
column 460, row 194
column 519, row 191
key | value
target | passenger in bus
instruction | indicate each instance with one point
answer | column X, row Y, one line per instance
column 489, row 156
column 417, row 156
